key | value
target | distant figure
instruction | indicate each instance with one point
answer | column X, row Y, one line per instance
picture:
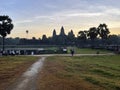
column 0, row 52
column 97, row 52
column 18, row 52
column 32, row 53
column 72, row 52
column 119, row 50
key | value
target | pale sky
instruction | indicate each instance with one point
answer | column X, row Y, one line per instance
column 43, row 16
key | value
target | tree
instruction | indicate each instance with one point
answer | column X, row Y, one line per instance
column 113, row 40
column 27, row 33
column 5, row 27
column 103, row 31
column 92, row 34
column 82, row 35
column 33, row 38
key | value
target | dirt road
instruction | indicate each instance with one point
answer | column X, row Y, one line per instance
column 28, row 80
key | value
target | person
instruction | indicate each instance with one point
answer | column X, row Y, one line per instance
column 72, row 52
column 0, row 52
column 97, row 52
column 32, row 53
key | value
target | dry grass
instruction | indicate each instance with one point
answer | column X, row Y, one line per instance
column 80, row 73
column 12, row 67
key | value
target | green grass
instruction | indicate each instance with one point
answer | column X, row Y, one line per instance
column 88, row 50
column 100, row 71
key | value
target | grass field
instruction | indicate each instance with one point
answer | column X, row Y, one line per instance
column 81, row 73
column 12, row 67
column 88, row 51
column 83, row 50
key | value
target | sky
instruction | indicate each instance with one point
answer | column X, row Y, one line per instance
column 43, row 16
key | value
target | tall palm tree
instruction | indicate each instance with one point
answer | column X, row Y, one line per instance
column 27, row 33
column 5, row 26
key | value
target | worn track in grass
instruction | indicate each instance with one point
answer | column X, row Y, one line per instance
column 28, row 80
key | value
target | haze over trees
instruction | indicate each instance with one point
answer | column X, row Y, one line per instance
column 95, row 36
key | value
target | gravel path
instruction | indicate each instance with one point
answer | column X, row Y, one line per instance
column 28, row 80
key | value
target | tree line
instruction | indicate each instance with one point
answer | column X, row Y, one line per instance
column 95, row 36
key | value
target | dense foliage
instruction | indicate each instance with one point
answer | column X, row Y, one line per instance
column 5, row 26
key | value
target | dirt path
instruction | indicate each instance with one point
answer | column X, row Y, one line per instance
column 48, row 55
column 28, row 80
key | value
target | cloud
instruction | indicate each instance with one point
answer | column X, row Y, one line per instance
column 113, row 11
column 80, row 14
column 24, row 21
column 52, row 6
column 108, row 10
column 74, row 16
column 41, row 17
column 83, row 14
column 7, row 3
column 68, row 15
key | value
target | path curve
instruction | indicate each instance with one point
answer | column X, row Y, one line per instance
column 28, row 80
